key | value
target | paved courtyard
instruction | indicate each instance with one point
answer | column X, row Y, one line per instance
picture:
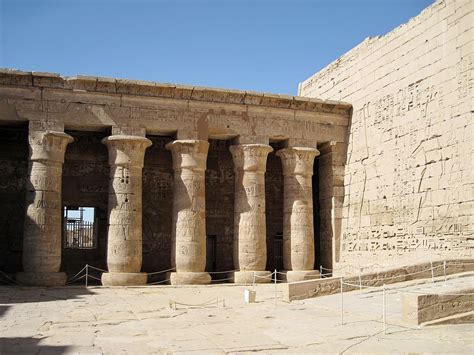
column 146, row 320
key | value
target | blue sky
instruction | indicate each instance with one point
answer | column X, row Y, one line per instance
column 259, row 45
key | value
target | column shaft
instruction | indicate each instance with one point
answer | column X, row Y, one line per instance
column 298, row 226
column 250, row 250
column 42, row 233
column 189, row 212
column 124, row 239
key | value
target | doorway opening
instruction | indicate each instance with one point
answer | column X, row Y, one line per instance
column 211, row 253
column 79, row 227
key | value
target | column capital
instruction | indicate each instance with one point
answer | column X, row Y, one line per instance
column 297, row 160
column 126, row 150
column 250, row 157
column 48, row 145
column 189, row 154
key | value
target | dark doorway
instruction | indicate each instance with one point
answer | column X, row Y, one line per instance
column 278, row 251
column 211, row 253
column 316, row 216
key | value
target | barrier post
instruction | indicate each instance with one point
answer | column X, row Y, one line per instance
column 444, row 271
column 432, row 272
column 87, row 273
column 384, row 312
column 342, row 303
column 320, row 271
column 275, row 287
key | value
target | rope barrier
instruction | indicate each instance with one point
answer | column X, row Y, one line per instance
column 158, row 282
column 160, row 272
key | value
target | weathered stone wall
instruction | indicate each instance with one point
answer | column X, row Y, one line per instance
column 409, row 180
column 220, row 202
column 273, row 203
column 13, row 173
column 85, row 184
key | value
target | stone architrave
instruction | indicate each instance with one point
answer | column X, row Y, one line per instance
column 250, row 249
column 188, row 254
column 42, row 233
column 124, row 241
column 298, row 230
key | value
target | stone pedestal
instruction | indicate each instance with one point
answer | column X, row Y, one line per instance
column 42, row 233
column 298, row 230
column 124, row 241
column 250, row 249
column 188, row 254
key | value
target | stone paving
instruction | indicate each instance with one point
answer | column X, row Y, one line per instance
column 141, row 320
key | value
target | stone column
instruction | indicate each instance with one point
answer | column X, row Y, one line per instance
column 124, row 239
column 188, row 254
column 298, row 230
column 42, row 233
column 250, row 249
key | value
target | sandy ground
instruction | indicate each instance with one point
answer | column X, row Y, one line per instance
column 139, row 320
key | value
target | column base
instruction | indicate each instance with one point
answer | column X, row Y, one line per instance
column 41, row 278
column 190, row 278
column 124, row 278
column 247, row 277
column 300, row 275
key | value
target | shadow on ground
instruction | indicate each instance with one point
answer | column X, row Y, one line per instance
column 28, row 345
column 16, row 294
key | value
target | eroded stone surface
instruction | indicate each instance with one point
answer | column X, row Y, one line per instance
column 42, row 232
column 189, row 212
column 250, row 250
column 298, row 227
column 124, row 241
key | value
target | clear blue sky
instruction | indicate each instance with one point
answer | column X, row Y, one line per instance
column 259, row 45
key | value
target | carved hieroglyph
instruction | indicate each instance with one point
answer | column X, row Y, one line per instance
column 42, row 234
column 124, row 245
column 250, row 250
column 188, row 254
column 298, row 231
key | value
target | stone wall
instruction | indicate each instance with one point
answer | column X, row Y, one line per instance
column 409, row 180
column 85, row 184
column 13, row 172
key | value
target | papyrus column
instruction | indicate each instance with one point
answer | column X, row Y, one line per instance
column 250, row 249
column 124, row 238
column 298, row 227
column 188, row 254
column 42, row 233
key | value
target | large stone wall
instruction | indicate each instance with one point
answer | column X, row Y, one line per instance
column 13, row 172
column 409, row 179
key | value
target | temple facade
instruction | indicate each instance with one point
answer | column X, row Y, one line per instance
column 191, row 180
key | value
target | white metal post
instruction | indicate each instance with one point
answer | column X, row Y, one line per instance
column 444, row 271
column 384, row 312
column 320, row 271
column 342, row 303
column 432, row 272
column 275, row 287
column 87, row 273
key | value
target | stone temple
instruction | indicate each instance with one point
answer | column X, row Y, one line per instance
column 370, row 166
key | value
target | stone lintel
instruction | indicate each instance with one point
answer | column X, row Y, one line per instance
column 172, row 91
column 251, row 140
column 300, row 142
column 129, row 131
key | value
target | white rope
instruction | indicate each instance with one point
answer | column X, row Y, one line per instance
column 160, row 272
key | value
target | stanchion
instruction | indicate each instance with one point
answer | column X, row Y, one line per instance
column 444, row 271
column 275, row 287
column 432, row 272
column 87, row 273
column 384, row 312
column 342, row 303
